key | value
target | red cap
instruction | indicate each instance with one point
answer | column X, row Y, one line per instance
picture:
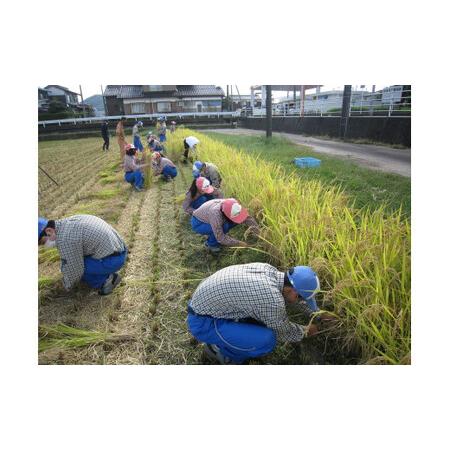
column 204, row 185
column 234, row 211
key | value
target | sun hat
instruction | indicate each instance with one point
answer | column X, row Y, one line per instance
column 204, row 185
column 234, row 211
column 306, row 282
column 191, row 141
column 42, row 223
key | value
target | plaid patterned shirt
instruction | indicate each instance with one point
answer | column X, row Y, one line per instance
column 212, row 173
column 210, row 212
column 129, row 164
column 247, row 291
column 83, row 235
column 159, row 166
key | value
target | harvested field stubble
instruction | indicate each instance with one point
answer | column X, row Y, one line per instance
column 362, row 258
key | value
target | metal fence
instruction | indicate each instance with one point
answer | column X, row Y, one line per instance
column 394, row 101
column 96, row 119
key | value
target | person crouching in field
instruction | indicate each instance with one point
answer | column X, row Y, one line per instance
column 163, row 166
column 240, row 311
column 91, row 250
column 200, row 192
column 136, row 137
column 190, row 143
column 132, row 169
column 207, row 170
column 154, row 145
column 216, row 218
column 120, row 134
column 105, row 135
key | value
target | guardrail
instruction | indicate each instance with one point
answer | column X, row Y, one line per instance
column 207, row 114
column 391, row 102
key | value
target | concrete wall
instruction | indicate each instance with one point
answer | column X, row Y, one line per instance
column 389, row 130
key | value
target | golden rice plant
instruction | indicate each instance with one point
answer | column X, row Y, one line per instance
column 363, row 258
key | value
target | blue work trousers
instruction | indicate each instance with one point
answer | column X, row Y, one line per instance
column 138, row 144
column 96, row 271
column 238, row 341
column 169, row 172
column 136, row 178
column 205, row 228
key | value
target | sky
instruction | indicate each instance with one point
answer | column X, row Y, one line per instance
column 92, row 89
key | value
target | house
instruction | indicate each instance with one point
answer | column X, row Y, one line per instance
column 62, row 95
column 155, row 99
column 319, row 102
column 43, row 100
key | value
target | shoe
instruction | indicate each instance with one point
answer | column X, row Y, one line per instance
column 213, row 353
column 212, row 249
column 138, row 189
column 111, row 282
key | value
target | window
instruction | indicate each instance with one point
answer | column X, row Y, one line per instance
column 163, row 106
column 137, row 108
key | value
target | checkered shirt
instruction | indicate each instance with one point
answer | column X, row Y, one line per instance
column 159, row 166
column 212, row 173
column 210, row 212
column 129, row 164
column 84, row 235
column 247, row 291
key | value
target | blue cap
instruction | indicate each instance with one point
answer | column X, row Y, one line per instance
column 306, row 282
column 42, row 223
column 197, row 165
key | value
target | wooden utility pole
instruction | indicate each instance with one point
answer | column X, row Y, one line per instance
column 82, row 101
column 268, row 111
column 345, row 111
column 231, row 88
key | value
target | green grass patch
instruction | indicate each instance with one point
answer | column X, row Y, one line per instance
column 106, row 193
column 64, row 336
column 366, row 188
column 46, row 282
column 48, row 255
column 108, row 179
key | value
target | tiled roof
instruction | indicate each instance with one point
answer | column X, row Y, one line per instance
column 62, row 88
column 136, row 91
column 199, row 90
column 123, row 91
column 130, row 91
column 112, row 90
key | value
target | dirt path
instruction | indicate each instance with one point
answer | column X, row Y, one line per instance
column 375, row 157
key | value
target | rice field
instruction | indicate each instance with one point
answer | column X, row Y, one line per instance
column 362, row 258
